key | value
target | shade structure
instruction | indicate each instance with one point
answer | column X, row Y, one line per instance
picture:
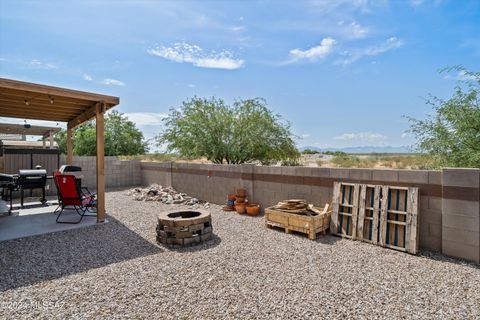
column 27, row 100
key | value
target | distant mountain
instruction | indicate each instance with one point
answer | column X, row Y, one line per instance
column 366, row 149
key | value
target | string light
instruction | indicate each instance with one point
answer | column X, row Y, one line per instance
column 26, row 102
column 51, row 100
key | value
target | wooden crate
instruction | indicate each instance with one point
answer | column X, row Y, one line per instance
column 310, row 225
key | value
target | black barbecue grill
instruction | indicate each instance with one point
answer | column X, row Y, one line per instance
column 32, row 179
column 7, row 185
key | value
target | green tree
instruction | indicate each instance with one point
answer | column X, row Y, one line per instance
column 244, row 132
column 122, row 137
column 310, row 151
column 452, row 134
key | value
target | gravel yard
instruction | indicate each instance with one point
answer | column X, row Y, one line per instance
column 116, row 270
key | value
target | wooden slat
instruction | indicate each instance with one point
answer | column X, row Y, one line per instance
column 361, row 211
column 43, row 101
column 335, row 208
column 376, row 213
column 402, row 217
column 383, row 217
column 32, row 108
column 397, row 211
column 414, row 232
column 395, row 222
column 356, row 194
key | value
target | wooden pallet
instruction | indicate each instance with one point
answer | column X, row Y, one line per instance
column 382, row 215
column 310, row 225
column 345, row 209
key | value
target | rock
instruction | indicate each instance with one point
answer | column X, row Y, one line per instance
column 166, row 195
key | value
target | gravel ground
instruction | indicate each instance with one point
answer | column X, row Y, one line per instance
column 116, row 270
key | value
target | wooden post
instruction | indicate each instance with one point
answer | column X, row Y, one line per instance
column 100, row 162
column 51, row 139
column 69, row 146
column 43, row 143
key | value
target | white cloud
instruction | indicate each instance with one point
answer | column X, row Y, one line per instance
column 113, row 82
column 405, row 135
column 37, row 64
column 183, row 52
column 465, row 76
column 362, row 136
column 391, row 43
column 315, row 53
column 354, row 30
column 146, row 118
column 191, row 85
column 238, row 28
column 358, row 31
column 305, row 135
column 87, row 77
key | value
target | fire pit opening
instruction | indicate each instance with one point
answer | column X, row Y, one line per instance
column 184, row 227
column 184, row 214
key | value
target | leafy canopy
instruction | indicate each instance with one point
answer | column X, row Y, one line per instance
column 245, row 132
column 122, row 137
column 452, row 134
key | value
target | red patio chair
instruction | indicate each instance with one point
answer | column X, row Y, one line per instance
column 70, row 194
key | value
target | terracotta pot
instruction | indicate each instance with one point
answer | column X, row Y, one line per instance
column 240, row 208
column 241, row 192
column 240, row 199
column 231, row 197
column 253, row 209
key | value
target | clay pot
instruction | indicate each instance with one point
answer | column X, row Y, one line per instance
column 240, row 207
column 240, row 199
column 241, row 192
column 253, row 209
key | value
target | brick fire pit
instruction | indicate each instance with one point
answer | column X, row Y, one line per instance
column 184, row 227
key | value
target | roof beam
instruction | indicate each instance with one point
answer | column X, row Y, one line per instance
column 55, row 91
column 85, row 116
column 32, row 109
column 59, row 103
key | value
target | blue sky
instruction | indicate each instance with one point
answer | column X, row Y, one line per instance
column 344, row 72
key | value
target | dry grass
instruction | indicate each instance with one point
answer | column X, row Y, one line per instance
column 374, row 160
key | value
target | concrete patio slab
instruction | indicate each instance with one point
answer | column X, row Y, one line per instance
column 36, row 219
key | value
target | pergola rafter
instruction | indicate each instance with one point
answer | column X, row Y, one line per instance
column 26, row 100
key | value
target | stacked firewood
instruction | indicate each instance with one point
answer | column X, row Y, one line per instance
column 299, row 206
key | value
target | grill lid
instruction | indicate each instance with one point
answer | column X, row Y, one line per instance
column 39, row 172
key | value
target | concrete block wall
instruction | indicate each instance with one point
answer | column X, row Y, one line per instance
column 118, row 173
column 449, row 218
column 461, row 213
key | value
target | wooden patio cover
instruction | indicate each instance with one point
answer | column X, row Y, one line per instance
column 26, row 100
